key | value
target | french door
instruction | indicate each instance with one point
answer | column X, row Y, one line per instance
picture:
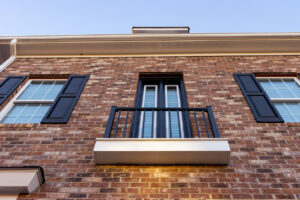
column 161, row 93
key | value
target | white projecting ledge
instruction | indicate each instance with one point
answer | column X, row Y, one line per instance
column 20, row 180
column 162, row 151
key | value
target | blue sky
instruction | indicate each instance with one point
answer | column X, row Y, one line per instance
column 72, row 17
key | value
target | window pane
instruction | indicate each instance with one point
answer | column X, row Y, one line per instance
column 174, row 124
column 148, row 124
column 172, row 97
column 281, row 88
column 290, row 112
column 41, row 90
column 149, row 100
column 53, row 92
column 173, row 116
column 26, row 113
column 148, row 116
column 266, row 84
column 278, row 84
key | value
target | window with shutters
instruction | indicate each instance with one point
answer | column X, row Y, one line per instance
column 257, row 99
column 45, row 101
column 284, row 92
column 32, row 102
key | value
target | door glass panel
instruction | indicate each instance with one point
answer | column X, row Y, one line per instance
column 148, row 118
column 174, row 118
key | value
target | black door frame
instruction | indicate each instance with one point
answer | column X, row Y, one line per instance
column 161, row 80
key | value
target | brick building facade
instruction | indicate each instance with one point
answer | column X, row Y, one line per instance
column 264, row 160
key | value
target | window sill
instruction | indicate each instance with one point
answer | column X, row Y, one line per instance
column 162, row 151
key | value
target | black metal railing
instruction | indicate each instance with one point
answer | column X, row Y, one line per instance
column 125, row 122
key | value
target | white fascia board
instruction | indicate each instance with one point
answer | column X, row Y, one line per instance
column 162, row 151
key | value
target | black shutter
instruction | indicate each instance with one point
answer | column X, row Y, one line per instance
column 9, row 85
column 259, row 102
column 64, row 103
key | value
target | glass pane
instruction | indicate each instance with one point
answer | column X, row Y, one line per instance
column 149, row 100
column 290, row 112
column 148, row 116
column 26, row 113
column 53, row 92
column 286, row 93
column 29, row 91
column 282, row 109
column 272, row 93
column 297, row 92
column 173, row 116
column 266, row 84
column 174, row 124
column 9, row 120
column 294, row 108
column 37, row 90
column 278, row 84
column 172, row 97
column 281, row 88
column 148, row 124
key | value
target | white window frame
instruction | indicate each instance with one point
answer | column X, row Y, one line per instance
column 282, row 100
column 14, row 100
column 142, row 113
column 180, row 113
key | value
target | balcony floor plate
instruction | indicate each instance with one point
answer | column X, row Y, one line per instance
column 162, row 151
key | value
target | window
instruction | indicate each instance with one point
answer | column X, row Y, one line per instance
column 285, row 94
column 173, row 118
column 147, row 127
column 32, row 102
column 161, row 92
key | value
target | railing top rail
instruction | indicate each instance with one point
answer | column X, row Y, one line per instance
column 159, row 109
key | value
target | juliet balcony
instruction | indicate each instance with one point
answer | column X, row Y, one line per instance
column 161, row 136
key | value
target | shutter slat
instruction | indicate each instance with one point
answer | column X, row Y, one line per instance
column 9, row 85
column 259, row 102
column 61, row 109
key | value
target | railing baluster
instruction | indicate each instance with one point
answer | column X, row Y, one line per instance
column 205, row 124
column 152, row 125
column 110, row 121
column 117, row 124
column 178, row 123
column 170, row 125
column 143, row 129
column 125, row 127
column 212, row 122
column 196, row 120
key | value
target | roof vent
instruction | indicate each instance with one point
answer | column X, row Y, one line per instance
column 161, row 30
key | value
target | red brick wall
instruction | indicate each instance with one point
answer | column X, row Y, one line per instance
column 264, row 156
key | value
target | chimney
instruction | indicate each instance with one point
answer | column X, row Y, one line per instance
column 161, row 30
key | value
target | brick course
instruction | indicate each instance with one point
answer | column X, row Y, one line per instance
column 264, row 160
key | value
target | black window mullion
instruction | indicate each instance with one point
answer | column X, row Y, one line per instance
column 161, row 119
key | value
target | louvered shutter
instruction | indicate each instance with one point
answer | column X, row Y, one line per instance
column 9, row 85
column 65, row 102
column 259, row 102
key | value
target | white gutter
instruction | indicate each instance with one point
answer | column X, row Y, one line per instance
column 13, row 55
column 131, row 45
column 123, row 36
